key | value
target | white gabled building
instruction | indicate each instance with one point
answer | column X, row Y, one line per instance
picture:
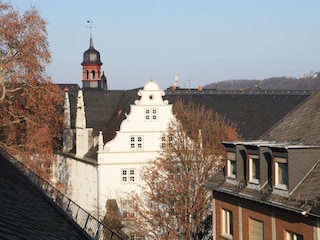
column 138, row 141
column 102, row 159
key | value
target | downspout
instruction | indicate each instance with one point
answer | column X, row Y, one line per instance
column 98, row 193
column 100, row 148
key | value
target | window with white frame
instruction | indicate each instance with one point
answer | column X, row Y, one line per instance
column 254, row 169
column 127, row 209
column 128, row 175
column 227, row 223
column 289, row 235
column 231, row 165
column 166, row 140
column 151, row 114
column 256, row 229
column 281, row 173
column 136, row 143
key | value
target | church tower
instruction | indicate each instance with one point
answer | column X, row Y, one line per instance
column 91, row 69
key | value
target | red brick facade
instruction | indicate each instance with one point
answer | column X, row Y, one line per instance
column 275, row 221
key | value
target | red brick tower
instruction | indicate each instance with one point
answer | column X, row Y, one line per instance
column 91, row 68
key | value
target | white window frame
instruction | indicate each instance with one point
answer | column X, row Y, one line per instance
column 127, row 209
column 151, row 114
column 136, row 143
column 128, row 175
column 254, row 169
column 279, row 164
column 231, row 165
column 289, row 235
column 227, row 223
column 166, row 140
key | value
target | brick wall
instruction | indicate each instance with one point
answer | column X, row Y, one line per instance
column 275, row 221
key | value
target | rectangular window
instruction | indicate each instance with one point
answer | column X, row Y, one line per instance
column 151, row 114
column 127, row 209
column 293, row 236
column 227, row 223
column 231, row 165
column 281, row 173
column 166, row 140
column 254, row 168
column 136, row 143
column 256, row 229
column 128, row 176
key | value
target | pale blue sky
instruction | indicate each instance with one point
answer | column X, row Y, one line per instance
column 203, row 41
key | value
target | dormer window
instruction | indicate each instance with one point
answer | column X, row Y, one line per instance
column 281, row 173
column 231, row 165
column 254, row 169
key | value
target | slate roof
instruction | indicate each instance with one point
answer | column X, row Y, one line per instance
column 26, row 214
column 300, row 125
column 252, row 111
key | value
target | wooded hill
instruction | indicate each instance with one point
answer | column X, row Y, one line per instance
column 274, row 83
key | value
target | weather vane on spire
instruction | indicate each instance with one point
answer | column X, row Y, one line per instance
column 90, row 26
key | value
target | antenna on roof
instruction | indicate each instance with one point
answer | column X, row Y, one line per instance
column 176, row 80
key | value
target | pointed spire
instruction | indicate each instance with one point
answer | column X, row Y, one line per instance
column 80, row 117
column 91, row 43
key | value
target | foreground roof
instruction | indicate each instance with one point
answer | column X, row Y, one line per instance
column 26, row 214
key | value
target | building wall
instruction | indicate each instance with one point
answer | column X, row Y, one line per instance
column 79, row 179
column 275, row 221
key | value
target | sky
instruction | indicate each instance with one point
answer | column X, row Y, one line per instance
column 203, row 41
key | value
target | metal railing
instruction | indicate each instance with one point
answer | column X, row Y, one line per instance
column 85, row 221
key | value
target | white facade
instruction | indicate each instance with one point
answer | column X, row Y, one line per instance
column 138, row 141
column 119, row 161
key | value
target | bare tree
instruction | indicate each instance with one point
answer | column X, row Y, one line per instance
column 30, row 119
column 173, row 204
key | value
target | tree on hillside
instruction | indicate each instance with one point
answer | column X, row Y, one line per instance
column 173, row 205
column 30, row 118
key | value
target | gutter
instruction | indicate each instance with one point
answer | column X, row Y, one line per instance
column 303, row 211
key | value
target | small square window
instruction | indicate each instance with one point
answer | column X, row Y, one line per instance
column 128, row 176
column 151, row 114
column 136, row 143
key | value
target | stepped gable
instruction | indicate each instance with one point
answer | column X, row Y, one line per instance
column 253, row 111
column 300, row 125
column 26, row 214
column 72, row 90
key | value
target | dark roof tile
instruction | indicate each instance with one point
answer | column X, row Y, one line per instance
column 26, row 214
